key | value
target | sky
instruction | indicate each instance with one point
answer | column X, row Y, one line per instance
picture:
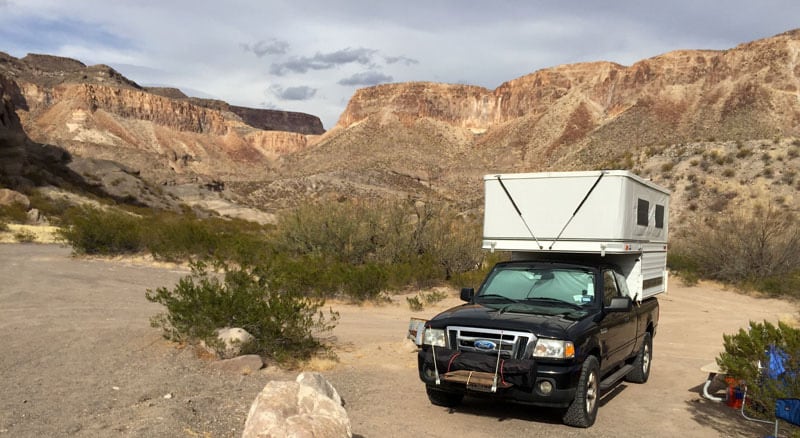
column 311, row 56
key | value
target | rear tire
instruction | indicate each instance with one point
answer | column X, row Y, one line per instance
column 583, row 410
column 442, row 398
column 642, row 363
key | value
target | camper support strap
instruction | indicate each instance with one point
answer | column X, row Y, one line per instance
column 519, row 212
column 602, row 172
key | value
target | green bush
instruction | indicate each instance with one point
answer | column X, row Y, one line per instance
column 92, row 230
column 745, row 359
column 14, row 213
column 362, row 248
column 742, row 247
column 282, row 320
column 24, row 236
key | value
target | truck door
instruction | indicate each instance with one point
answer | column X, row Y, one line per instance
column 617, row 329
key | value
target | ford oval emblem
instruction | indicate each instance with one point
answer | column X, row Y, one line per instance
column 485, row 345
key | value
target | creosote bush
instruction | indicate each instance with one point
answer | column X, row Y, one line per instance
column 753, row 248
column 92, row 230
column 283, row 321
column 746, row 359
column 353, row 249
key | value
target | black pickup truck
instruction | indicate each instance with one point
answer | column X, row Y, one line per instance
column 545, row 333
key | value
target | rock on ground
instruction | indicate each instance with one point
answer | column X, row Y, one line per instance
column 307, row 407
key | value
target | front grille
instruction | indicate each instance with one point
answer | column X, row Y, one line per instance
column 482, row 340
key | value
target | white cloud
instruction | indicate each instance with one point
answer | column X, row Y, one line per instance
column 320, row 51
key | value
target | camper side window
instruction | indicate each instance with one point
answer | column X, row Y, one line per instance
column 610, row 289
column 642, row 212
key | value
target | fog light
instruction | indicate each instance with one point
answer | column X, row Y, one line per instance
column 545, row 387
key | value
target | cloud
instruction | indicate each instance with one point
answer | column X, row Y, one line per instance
column 293, row 93
column 366, row 78
column 403, row 59
column 324, row 61
column 271, row 46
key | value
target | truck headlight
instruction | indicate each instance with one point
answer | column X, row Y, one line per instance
column 554, row 349
column 434, row 337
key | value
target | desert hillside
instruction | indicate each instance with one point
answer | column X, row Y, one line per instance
column 721, row 128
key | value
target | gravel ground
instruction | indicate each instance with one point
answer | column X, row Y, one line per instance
column 78, row 357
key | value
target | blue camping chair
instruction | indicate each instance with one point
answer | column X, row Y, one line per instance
column 786, row 409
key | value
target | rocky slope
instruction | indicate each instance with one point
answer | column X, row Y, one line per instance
column 719, row 127
column 171, row 139
column 427, row 139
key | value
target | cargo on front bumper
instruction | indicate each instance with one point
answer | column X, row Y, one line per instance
column 521, row 380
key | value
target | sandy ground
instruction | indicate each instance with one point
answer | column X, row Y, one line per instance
column 78, row 357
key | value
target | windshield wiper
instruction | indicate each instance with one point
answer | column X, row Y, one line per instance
column 497, row 296
column 554, row 301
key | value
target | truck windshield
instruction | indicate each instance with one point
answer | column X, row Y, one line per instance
column 572, row 286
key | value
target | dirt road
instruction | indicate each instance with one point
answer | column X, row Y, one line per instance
column 78, row 358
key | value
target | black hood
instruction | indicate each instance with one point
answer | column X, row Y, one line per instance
column 506, row 317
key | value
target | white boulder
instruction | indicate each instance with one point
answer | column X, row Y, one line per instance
column 308, row 407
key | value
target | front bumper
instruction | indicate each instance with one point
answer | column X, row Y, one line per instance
column 517, row 379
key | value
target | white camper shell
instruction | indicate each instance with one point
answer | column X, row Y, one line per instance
column 612, row 214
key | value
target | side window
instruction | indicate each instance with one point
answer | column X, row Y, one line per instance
column 642, row 212
column 659, row 216
column 609, row 287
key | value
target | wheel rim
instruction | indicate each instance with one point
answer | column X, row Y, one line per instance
column 646, row 359
column 591, row 392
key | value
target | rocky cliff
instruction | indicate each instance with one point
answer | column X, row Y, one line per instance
column 702, row 113
column 691, row 94
column 711, row 125
column 96, row 112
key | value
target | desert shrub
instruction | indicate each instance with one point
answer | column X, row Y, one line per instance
column 53, row 209
column 422, row 299
column 746, row 359
column 3, row 226
column 788, row 177
column 282, row 320
column 686, row 267
column 360, row 249
column 14, row 213
column 24, row 236
column 415, row 304
column 793, row 152
column 728, row 172
column 91, row 230
column 757, row 247
column 768, row 172
column 744, row 153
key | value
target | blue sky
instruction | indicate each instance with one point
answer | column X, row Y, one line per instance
column 311, row 56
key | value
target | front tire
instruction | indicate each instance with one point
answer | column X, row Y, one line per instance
column 641, row 365
column 442, row 398
column 583, row 410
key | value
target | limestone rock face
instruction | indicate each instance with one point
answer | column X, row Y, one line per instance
column 95, row 112
column 307, row 407
column 750, row 90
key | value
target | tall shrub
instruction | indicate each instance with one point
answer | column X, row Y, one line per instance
column 746, row 246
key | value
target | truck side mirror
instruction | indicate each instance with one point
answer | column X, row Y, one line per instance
column 620, row 304
column 467, row 293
